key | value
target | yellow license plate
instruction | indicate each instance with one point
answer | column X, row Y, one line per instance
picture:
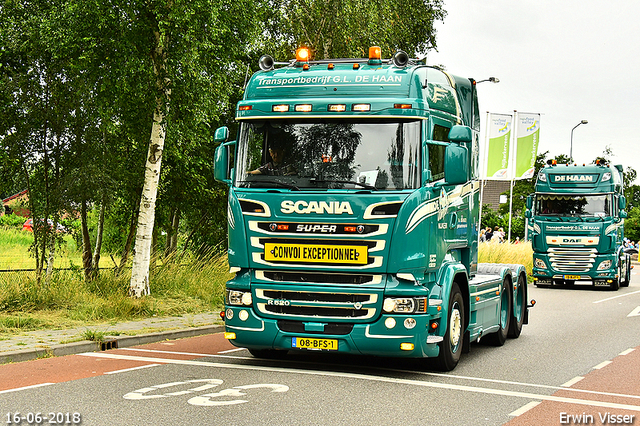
column 320, row 344
column 572, row 277
column 315, row 253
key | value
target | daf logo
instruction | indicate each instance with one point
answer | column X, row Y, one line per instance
column 571, row 240
column 357, row 305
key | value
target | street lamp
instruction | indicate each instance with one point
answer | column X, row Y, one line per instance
column 571, row 148
column 491, row 79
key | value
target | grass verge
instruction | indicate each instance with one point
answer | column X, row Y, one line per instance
column 196, row 285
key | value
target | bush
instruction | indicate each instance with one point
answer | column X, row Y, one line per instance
column 12, row 221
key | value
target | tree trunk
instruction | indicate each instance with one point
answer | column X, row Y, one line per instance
column 127, row 247
column 142, row 251
column 172, row 236
column 98, row 248
column 86, row 243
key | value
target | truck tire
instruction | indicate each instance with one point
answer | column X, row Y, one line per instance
column 615, row 284
column 504, row 320
column 451, row 346
column 627, row 277
column 519, row 306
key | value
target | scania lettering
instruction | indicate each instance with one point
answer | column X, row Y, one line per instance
column 366, row 220
column 576, row 226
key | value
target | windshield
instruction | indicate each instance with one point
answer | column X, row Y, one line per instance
column 574, row 205
column 336, row 154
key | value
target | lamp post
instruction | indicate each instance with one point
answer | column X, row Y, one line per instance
column 571, row 148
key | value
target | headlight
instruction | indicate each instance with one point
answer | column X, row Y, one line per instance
column 606, row 264
column 539, row 263
column 239, row 298
column 405, row 305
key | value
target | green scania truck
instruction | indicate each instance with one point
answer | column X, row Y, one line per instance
column 576, row 226
column 353, row 213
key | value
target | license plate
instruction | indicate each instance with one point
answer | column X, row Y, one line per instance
column 315, row 253
column 572, row 277
column 320, row 344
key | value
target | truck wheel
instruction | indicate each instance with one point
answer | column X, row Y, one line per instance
column 268, row 353
column 615, row 285
column 519, row 307
column 451, row 346
column 627, row 277
column 504, row 320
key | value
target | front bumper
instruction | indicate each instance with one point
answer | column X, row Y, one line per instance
column 373, row 338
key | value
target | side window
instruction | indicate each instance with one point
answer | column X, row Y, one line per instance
column 436, row 151
column 436, row 161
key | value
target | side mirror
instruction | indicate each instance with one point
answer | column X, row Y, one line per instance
column 623, row 214
column 221, row 171
column 622, row 202
column 221, row 134
column 456, row 164
column 529, row 202
column 527, row 214
column 460, row 134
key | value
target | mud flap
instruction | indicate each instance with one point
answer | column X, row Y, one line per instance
column 466, row 342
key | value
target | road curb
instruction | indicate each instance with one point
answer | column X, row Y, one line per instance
column 109, row 342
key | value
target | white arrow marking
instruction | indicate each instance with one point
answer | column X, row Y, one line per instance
column 635, row 312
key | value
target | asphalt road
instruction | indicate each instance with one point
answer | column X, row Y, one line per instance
column 579, row 356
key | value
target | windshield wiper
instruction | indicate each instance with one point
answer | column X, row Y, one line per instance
column 364, row 185
column 249, row 183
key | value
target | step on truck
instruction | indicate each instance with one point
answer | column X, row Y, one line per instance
column 575, row 221
column 353, row 213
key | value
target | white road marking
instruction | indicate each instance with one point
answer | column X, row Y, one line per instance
column 131, row 369
column 164, row 352
column 26, row 387
column 524, row 408
column 615, row 297
column 343, row 375
column 231, row 350
column 627, row 352
column 635, row 312
column 602, row 365
column 185, row 353
column 572, row 382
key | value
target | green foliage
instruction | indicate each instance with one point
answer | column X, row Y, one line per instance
column 12, row 221
column 346, row 28
column 193, row 286
column 632, row 224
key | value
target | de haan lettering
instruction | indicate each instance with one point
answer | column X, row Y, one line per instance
column 573, row 178
column 317, row 207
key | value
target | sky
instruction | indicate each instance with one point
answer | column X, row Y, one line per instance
column 568, row 60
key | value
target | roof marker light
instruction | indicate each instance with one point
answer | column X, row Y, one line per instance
column 280, row 108
column 361, row 107
column 337, row 108
column 303, row 108
column 402, row 106
column 245, row 108
column 356, row 66
column 330, row 66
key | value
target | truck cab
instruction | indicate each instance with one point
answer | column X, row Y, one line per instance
column 576, row 225
column 353, row 206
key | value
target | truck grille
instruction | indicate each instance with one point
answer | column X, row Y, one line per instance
column 302, row 277
column 316, row 305
column 572, row 260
